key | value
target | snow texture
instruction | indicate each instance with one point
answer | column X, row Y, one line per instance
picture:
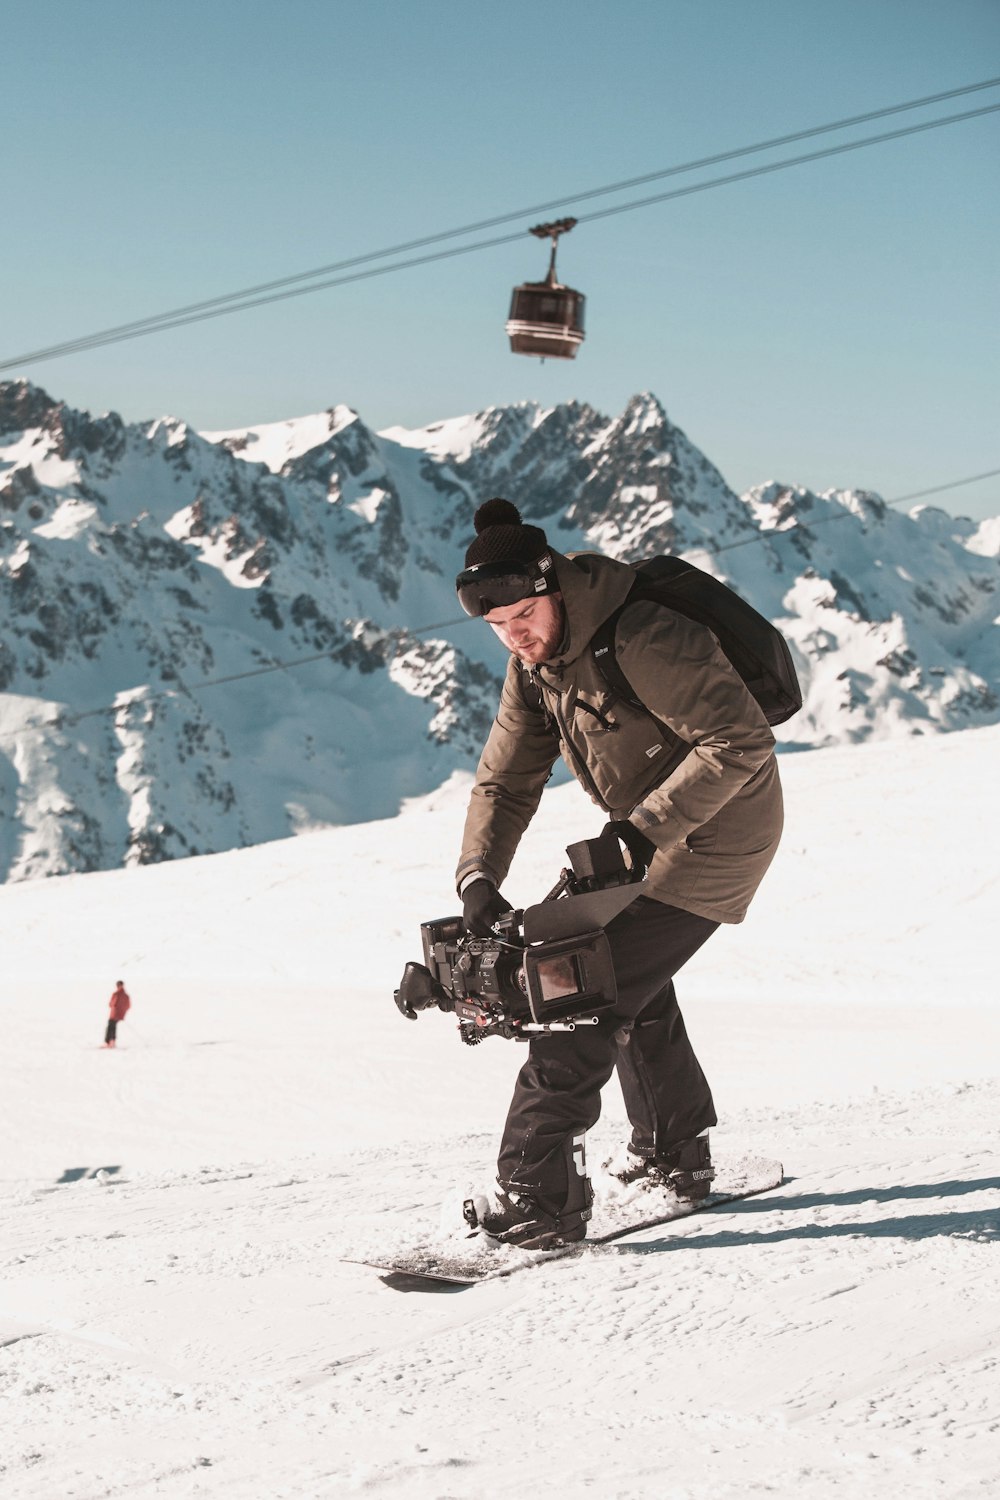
column 178, row 1314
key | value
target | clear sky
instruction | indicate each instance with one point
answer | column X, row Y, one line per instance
column 834, row 324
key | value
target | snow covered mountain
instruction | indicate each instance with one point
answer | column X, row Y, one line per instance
column 216, row 639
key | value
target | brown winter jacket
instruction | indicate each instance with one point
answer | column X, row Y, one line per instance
column 703, row 787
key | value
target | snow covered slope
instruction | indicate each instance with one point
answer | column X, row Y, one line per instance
column 178, row 1314
column 215, row 640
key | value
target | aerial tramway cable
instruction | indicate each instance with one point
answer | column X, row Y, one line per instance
column 284, row 288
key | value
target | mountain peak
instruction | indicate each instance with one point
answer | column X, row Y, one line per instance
column 644, row 411
column 24, row 406
column 252, row 613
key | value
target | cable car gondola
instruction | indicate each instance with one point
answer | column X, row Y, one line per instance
column 546, row 318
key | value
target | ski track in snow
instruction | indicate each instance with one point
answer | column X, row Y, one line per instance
column 857, row 1308
column 189, row 1323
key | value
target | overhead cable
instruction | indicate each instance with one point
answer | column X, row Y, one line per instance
column 538, row 208
column 936, row 489
column 845, row 515
column 286, row 287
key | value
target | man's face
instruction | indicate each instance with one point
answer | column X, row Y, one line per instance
column 531, row 629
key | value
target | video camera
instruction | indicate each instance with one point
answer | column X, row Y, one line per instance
column 547, row 968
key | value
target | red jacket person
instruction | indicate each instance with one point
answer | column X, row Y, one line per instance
column 118, row 1009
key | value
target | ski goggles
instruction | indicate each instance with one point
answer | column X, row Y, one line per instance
column 494, row 585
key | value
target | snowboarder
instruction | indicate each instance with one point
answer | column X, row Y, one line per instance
column 693, row 793
column 118, row 1009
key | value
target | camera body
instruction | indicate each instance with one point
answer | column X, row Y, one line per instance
column 498, row 986
column 545, row 969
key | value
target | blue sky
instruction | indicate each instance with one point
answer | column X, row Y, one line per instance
column 832, row 324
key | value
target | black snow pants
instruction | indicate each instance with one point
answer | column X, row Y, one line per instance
column 110, row 1031
column 558, row 1092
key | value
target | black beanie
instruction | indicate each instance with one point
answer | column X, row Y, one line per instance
column 501, row 537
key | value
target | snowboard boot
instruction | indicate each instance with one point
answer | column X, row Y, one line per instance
column 684, row 1166
column 519, row 1218
column 525, row 1215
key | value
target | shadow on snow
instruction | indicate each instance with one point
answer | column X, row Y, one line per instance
column 981, row 1224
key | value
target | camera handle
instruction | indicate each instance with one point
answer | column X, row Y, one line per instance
column 560, row 1025
column 597, row 866
column 561, row 886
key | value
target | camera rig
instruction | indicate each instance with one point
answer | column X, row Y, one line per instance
column 545, row 969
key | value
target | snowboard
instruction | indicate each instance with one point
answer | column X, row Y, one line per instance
column 451, row 1263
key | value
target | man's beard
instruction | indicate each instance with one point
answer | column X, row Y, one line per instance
column 542, row 648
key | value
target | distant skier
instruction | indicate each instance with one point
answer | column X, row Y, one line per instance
column 118, row 1008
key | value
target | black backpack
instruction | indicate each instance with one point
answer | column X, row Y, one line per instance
column 757, row 650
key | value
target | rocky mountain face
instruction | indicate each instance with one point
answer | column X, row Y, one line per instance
column 216, row 639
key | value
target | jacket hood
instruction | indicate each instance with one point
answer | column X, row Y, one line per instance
column 592, row 587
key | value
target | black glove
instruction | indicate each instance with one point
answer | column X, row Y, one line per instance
column 482, row 904
column 637, row 844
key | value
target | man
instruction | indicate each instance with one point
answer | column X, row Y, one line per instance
column 694, row 795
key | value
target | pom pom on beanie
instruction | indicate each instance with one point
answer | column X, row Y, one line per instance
column 502, row 537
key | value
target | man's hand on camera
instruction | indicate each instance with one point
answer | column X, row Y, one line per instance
column 482, row 904
column 637, row 844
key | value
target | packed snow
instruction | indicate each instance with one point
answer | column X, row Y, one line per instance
column 180, row 1315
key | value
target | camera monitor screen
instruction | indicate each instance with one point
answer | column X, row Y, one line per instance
column 559, row 977
column 570, row 976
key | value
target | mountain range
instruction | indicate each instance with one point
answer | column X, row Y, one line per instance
column 216, row 639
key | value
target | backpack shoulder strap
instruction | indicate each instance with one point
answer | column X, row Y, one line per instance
column 534, row 697
column 602, row 648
